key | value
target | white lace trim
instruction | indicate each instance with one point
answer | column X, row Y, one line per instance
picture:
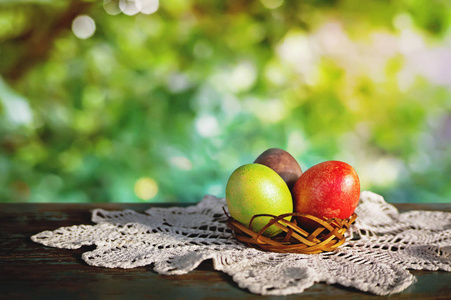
column 381, row 245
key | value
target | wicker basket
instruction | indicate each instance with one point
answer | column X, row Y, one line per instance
column 328, row 235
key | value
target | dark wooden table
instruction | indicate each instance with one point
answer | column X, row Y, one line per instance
column 33, row 271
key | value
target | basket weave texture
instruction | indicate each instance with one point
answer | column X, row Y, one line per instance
column 328, row 235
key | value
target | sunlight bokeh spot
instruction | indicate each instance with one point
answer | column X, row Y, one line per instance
column 146, row 188
column 148, row 6
column 128, row 7
column 112, row 7
column 181, row 162
column 207, row 126
column 83, row 27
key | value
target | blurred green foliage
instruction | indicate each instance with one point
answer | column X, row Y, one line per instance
column 163, row 105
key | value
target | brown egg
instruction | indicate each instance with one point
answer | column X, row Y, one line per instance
column 282, row 163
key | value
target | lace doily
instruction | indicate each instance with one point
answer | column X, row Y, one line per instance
column 381, row 246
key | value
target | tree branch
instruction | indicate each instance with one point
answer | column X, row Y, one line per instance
column 37, row 42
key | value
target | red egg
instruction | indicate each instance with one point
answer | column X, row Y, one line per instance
column 329, row 189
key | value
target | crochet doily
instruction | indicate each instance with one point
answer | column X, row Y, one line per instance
column 382, row 245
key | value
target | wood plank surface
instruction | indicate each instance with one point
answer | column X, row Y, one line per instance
column 32, row 271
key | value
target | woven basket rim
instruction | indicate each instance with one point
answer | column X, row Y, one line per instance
column 328, row 236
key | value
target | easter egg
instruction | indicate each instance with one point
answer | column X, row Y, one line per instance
column 329, row 189
column 283, row 163
column 257, row 189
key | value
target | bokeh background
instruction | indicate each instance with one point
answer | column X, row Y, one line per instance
column 159, row 101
